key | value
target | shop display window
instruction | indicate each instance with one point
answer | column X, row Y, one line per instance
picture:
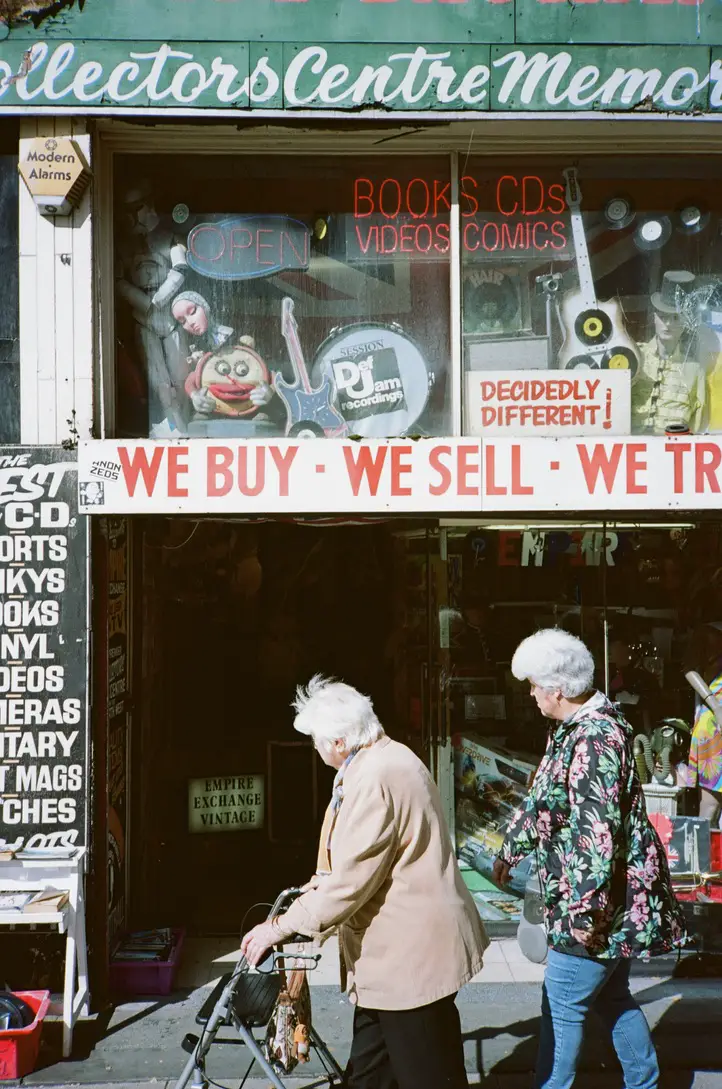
column 606, row 270
column 282, row 295
column 647, row 600
column 9, row 265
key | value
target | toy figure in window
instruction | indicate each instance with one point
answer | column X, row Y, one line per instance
column 670, row 388
column 151, row 270
column 233, row 383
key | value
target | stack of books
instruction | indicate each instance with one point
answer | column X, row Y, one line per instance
column 37, row 854
column 34, row 903
column 47, row 900
column 146, row 945
column 46, row 854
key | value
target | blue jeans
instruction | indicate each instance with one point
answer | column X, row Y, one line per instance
column 572, row 987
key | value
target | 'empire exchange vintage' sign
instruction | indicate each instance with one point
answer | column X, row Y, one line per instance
column 461, row 475
column 230, row 803
column 157, row 75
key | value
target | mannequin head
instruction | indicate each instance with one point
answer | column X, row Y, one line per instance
column 192, row 312
column 140, row 210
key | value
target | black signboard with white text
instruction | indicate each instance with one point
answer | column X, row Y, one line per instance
column 117, row 720
column 43, row 650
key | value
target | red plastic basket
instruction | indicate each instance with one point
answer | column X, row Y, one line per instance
column 19, row 1047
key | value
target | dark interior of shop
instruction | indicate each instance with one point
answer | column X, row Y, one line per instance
column 234, row 617
column 231, row 616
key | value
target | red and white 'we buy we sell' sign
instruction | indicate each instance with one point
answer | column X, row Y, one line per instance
column 283, row 476
column 464, row 475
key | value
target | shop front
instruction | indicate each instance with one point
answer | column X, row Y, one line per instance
column 419, row 597
column 382, row 335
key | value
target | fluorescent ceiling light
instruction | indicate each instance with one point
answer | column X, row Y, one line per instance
column 447, row 523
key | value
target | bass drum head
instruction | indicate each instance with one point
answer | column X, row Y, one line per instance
column 379, row 377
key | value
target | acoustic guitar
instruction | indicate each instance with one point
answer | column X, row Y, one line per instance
column 309, row 410
column 594, row 334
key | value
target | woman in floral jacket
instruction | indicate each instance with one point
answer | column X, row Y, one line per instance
column 607, row 890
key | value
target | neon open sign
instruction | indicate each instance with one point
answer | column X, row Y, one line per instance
column 247, row 247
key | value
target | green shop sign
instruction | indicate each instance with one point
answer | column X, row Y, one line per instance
column 334, row 76
column 457, row 22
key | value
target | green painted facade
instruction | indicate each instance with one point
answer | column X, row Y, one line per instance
column 470, row 22
column 394, row 55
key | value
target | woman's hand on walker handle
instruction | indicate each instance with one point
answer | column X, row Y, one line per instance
column 312, row 884
column 501, row 873
column 257, row 941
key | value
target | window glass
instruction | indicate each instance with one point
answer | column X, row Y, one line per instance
column 266, row 296
column 592, row 297
column 647, row 601
column 9, row 259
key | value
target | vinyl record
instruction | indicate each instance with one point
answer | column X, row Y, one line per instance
column 620, row 358
column 619, row 212
column 653, row 232
column 306, row 429
column 582, row 363
column 691, row 217
column 593, row 327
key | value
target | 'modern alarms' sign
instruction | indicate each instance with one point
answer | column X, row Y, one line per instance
column 55, row 172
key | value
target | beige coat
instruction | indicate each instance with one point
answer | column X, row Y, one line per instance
column 408, row 927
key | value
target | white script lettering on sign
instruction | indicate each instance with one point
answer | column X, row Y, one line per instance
column 347, row 76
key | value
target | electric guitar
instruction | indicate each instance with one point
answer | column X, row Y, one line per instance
column 309, row 411
column 594, row 334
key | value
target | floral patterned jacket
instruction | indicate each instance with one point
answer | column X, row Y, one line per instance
column 607, row 889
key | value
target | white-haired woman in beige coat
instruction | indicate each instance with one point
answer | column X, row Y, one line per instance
column 388, row 882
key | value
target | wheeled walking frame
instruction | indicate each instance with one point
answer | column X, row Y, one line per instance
column 245, row 1001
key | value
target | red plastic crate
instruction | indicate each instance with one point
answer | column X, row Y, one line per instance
column 716, row 850
column 19, row 1047
column 149, row 977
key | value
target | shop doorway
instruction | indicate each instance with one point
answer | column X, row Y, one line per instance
column 228, row 618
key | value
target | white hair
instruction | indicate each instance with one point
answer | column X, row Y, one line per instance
column 555, row 660
column 328, row 710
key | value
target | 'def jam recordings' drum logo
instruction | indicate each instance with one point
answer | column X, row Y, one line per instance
column 368, row 384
